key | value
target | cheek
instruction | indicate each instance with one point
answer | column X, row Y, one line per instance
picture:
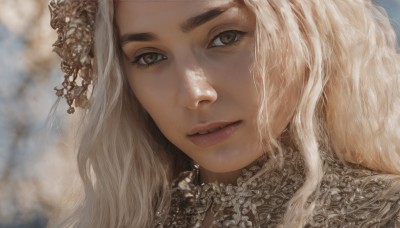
column 148, row 97
column 155, row 98
column 237, row 76
column 151, row 91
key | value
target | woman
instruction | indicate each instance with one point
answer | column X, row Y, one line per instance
column 233, row 113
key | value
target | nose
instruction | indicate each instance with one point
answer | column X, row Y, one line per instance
column 196, row 90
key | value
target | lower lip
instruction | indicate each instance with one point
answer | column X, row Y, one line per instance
column 215, row 137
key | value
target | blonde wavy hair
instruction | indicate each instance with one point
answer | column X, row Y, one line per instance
column 342, row 52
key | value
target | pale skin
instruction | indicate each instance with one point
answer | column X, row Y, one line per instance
column 193, row 75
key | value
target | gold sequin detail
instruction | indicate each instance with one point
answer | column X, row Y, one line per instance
column 349, row 196
column 74, row 22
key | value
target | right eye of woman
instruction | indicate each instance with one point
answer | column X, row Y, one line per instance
column 148, row 59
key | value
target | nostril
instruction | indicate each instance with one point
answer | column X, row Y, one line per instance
column 201, row 94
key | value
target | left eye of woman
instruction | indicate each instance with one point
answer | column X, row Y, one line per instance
column 226, row 38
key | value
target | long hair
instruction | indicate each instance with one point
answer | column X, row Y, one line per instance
column 343, row 55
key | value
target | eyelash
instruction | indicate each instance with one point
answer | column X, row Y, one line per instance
column 238, row 36
column 161, row 57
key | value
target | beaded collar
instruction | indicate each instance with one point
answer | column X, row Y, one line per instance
column 349, row 195
column 242, row 204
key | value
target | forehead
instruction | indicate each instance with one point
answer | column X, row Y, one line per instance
column 143, row 15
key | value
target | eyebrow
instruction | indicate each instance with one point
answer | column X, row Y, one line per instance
column 186, row 26
column 137, row 37
column 203, row 18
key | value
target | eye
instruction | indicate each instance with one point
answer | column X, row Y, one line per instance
column 226, row 38
column 148, row 59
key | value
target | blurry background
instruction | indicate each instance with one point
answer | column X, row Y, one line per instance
column 37, row 162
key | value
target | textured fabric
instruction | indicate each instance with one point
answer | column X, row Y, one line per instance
column 349, row 196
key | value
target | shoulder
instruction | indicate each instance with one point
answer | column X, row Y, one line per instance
column 356, row 196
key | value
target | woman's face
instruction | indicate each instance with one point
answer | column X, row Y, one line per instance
column 188, row 63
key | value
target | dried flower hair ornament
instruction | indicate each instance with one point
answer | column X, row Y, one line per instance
column 74, row 21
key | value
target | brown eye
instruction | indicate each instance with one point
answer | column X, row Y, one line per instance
column 226, row 38
column 148, row 59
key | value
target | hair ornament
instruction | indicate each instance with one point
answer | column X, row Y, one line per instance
column 74, row 22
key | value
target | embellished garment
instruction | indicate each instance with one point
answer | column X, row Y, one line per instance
column 349, row 196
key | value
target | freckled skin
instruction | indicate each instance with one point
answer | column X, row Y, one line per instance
column 194, row 82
